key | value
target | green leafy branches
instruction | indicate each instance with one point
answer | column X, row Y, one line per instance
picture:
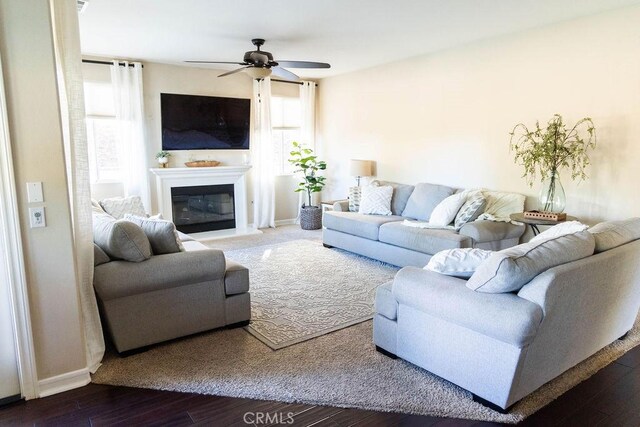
column 548, row 150
column 308, row 165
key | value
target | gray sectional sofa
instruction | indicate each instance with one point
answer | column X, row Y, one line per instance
column 387, row 239
column 153, row 297
column 503, row 346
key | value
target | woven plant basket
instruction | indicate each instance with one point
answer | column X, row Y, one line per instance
column 310, row 218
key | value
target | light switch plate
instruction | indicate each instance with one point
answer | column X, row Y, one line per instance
column 34, row 192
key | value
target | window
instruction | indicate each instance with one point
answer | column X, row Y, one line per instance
column 285, row 128
column 105, row 156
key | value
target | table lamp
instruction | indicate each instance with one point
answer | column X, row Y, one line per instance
column 360, row 168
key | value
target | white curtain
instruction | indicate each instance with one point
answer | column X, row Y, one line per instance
column 307, row 123
column 262, row 156
column 70, row 88
column 127, row 88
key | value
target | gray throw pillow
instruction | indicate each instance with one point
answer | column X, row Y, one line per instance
column 120, row 239
column 612, row 234
column 424, row 198
column 470, row 211
column 510, row 269
column 401, row 194
column 162, row 234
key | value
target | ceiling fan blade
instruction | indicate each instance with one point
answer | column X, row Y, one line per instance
column 303, row 64
column 215, row 62
column 285, row 74
column 237, row 70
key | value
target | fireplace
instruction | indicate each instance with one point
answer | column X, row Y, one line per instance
column 199, row 210
column 203, row 208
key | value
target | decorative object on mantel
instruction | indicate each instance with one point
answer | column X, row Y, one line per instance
column 360, row 168
column 163, row 158
column 548, row 216
column 306, row 162
column 202, row 163
column 547, row 151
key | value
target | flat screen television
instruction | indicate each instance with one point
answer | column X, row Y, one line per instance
column 191, row 122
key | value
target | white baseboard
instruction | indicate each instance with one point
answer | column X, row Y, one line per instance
column 63, row 382
column 285, row 222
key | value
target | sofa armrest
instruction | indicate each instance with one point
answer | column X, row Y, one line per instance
column 341, row 206
column 117, row 279
column 491, row 231
column 505, row 317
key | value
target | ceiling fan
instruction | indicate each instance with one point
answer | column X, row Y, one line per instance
column 260, row 64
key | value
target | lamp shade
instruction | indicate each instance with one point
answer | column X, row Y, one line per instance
column 258, row 72
column 361, row 167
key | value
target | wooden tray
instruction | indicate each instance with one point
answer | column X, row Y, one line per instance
column 202, row 163
column 547, row 216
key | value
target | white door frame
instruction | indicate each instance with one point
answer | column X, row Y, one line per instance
column 10, row 226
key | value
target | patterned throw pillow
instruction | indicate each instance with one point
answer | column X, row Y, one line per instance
column 471, row 210
column 117, row 207
column 376, row 200
column 354, row 198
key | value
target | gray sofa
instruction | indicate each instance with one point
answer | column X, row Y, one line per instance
column 385, row 238
column 503, row 346
column 169, row 295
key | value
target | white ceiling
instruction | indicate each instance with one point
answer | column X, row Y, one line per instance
column 349, row 34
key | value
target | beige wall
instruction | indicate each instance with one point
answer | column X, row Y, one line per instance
column 36, row 138
column 163, row 78
column 445, row 118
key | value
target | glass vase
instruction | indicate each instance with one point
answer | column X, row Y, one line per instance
column 552, row 197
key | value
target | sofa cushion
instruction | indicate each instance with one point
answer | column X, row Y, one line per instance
column 459, row 262
column 612, row 234
column 357, row 224
column 120, row 238
column 424, row 198
column 510, row 269
column 162, row 234
column 376, row 200
column 471, row 210
column 117, row 207
column 99, row 257
column 491, row 231
column 386, row 304
column 236, row 279
column 425, row 240
column 401, row 194
column 564, row 228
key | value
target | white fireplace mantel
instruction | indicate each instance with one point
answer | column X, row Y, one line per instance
column 166, row 178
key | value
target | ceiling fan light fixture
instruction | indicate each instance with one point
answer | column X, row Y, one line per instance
column 258, row 72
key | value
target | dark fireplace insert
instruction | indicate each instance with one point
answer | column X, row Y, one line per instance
column 203, row 208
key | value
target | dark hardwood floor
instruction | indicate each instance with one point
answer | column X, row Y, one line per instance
column 609, row 398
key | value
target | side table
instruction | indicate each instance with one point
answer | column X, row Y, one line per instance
column 534, row 222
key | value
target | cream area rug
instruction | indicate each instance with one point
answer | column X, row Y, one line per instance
column 338, row 369
column 301, row 290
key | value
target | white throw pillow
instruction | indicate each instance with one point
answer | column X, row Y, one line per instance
column 460, row 262
column 117, row 207
column 561, row 229
column 446, row 211
column 376, row 200
column 500, row 205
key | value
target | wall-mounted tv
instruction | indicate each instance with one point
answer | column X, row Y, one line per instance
column 191, row 122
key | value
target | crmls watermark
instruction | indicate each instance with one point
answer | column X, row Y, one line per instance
column 258, row 418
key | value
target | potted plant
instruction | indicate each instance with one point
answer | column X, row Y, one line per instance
column 309, row 166
column 549, row 150
column 163, row 158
